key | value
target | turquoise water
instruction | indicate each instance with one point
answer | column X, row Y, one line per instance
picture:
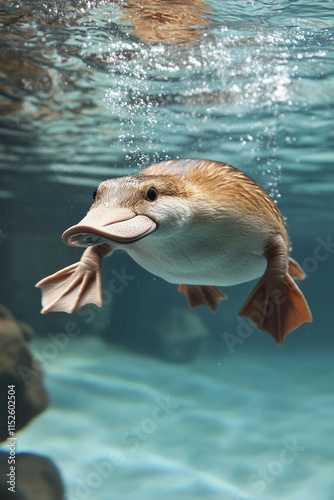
column 149, row 399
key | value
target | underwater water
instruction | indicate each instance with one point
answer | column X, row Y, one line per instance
column 147, row 398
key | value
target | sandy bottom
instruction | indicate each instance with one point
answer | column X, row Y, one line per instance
column 243, row 427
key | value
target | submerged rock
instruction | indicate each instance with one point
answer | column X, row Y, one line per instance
column 18, row 369
column 34, row 478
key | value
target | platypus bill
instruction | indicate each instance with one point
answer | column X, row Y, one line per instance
column 201, row 223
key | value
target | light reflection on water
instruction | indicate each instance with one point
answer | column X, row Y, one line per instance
column 89, row 97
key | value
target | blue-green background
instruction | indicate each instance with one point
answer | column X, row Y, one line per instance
column 82, row 100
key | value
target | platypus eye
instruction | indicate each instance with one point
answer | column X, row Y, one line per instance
column 94, row 194
column 152, row 194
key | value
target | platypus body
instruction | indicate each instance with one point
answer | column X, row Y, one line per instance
column 201, row 223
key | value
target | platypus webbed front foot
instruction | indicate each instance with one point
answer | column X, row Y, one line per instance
column 75, row 285
column 276, row 304
column 202, row 294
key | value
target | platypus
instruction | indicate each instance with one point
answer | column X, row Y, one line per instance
column 201, row 223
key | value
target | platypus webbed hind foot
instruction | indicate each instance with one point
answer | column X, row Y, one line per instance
column 75, row 285
column 295, row 271
column 202, row 294
column 276, row 304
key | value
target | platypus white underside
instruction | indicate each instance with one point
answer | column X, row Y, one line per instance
column 196, row 260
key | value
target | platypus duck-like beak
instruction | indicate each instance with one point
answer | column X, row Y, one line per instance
column 105, row 225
